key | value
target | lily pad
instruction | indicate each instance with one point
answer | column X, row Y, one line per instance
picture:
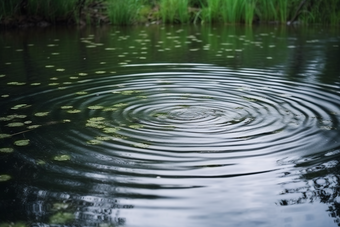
column 15, row 124
column 95, row 107
column 103, row 138
column 60, row 206
column 94, row 142
column 81, row 93
column 63, row 157
column 120, row 105
column 141, row 145
column 33, row 126
column 136, row 126
column 61, row 218
column 22, row 142
column 110, row 130
column 3, row 135
column 16, row 83
column 20, row 106
column 73, row 111
column 40, row 162
column 66, row 107
column 110, row 109
column 6, row 150
column 4, row 177
column 41, row 114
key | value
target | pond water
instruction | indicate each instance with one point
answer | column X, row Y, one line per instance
column 170, row 126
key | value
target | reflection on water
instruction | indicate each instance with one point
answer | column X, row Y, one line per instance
column 187, row 126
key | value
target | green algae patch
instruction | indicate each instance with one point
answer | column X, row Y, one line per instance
column 22, row 143
column 61, row 158
column 4, row 177
column 61, row 218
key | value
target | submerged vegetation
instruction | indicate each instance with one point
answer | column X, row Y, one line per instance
column 125, row 12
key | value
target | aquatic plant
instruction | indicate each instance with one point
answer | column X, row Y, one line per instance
column 123, row 12
column 4, row 177
column 21, row 143
column 6, row 150
column 174, row 11
column 63, row 157
column 61, row 218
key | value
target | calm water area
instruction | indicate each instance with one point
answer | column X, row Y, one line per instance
column 170, row 126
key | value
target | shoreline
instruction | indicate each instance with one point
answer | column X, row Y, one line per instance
column 148, row 12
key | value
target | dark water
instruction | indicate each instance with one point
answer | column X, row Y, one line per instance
column 170, row 126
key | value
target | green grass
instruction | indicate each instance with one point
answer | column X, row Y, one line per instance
column 174, row 11
column 124, row 12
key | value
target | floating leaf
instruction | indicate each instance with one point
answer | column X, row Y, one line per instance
column 66, row 120
column 82, row 74
column 100, row 72
column 4, row 177
column 141, row 145
column 15, row 124
column 110, row 130
column 110, row 109
column 41, row 114
column 6, row 150
column 73, row 111
column 81, row 93
column 66, row 107
column 120, row 105
column 95, row 107
column 103, row 138
column 2, row 136
column 35, row 84
column 60, row 206
column 33, row 126
column 94, row 142
column 19, row 106
column 4, row 96
column 40, row 162
column 16, row 83
column 136, row 126
column 60, row 70
column 49, row 66
column 22, row 142
column 61, row 218
column 63, row 157
column 129, row 92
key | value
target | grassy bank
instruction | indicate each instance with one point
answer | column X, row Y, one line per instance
column 125, row 12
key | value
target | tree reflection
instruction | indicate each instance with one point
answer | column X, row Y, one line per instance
column 24, row 200
column 321, row 184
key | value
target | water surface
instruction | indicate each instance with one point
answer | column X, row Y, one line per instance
column 170, row 126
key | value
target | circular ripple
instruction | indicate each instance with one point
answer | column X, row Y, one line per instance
column 182, row 113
